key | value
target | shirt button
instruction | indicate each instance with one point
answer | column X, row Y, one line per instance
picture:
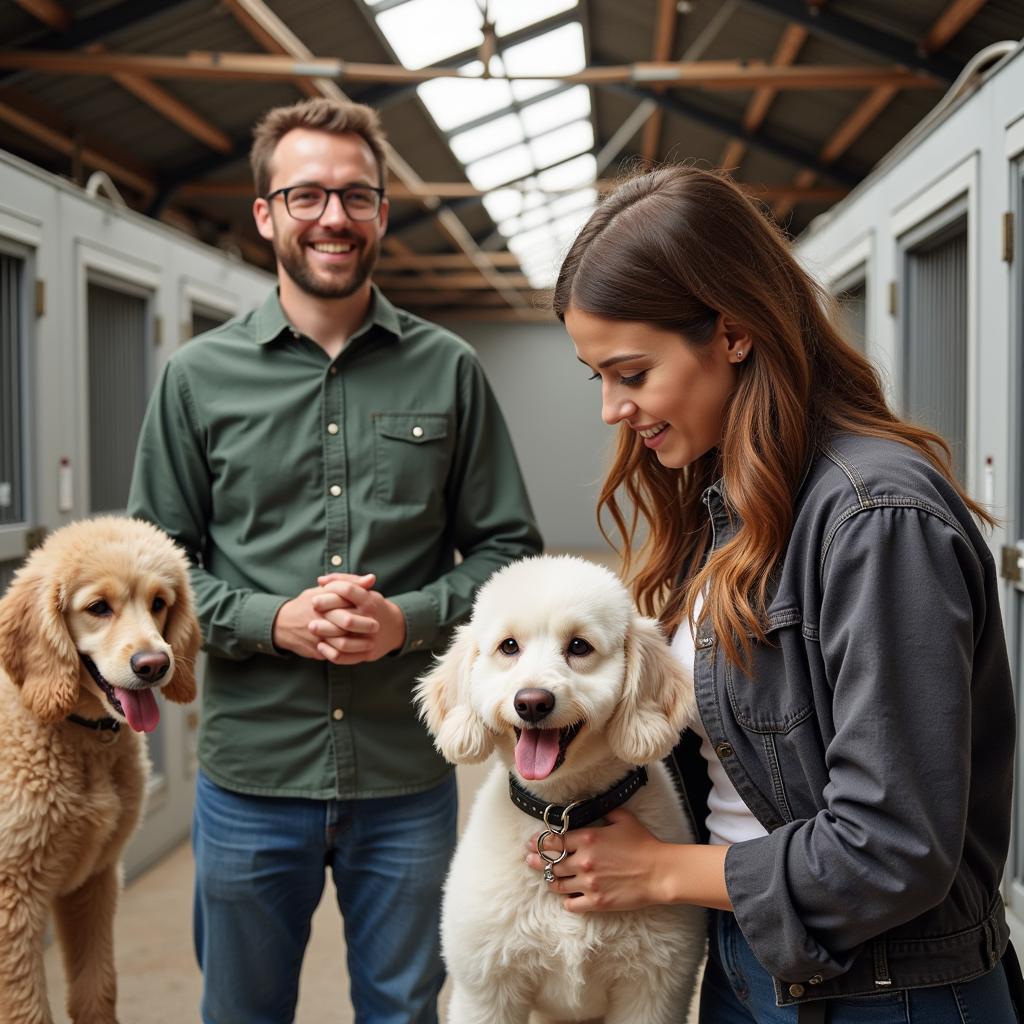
column 332, row 428
column 335, row 559
column 816, row 980
column 334, row 370
column 335, row 490
column 417, row 431
column 417, row 643
column 796, row 990
column 338, row 714
column 724, row 750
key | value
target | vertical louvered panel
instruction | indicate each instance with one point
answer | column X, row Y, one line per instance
column 117, row 392
column 203, row 322
column 853, row 310
column 935, row 356
column 7, row 570
column 12, row 348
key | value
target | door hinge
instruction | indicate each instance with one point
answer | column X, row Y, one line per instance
column 158, row 330
column 893, row 297
column 40, row 297
column 34, row 537
column 1008, row 237
column 1013, row 562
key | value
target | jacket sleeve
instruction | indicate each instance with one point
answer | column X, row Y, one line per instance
column 171, row 487
column 489, row 514
column 903, row 604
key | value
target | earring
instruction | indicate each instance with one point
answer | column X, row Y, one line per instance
column 739, row 355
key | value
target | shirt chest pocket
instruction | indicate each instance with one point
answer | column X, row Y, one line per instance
column 411, row 456
column 775, row 695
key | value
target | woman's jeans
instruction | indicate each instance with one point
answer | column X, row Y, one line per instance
column 260, row 868
column 738, row 990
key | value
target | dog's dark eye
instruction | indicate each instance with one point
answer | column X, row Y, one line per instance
column 508, row 646
column 159, row 604
column 578, row 647
column 100, row 609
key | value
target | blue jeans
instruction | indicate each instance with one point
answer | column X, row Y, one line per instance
column 738, row 990
column 260, row 867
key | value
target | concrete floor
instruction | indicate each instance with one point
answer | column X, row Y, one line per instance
column 158, row 981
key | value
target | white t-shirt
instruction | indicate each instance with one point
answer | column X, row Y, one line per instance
column 729, row 819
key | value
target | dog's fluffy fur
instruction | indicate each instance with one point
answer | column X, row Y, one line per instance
column 70, row 796
column 509, row 945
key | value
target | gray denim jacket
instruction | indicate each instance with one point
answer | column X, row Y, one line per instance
column 873, row 739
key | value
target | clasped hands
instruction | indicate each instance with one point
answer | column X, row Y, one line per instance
column 342, row 620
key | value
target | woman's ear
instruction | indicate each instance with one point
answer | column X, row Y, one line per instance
column 442, row 696
column 737, row 339
column 36, row 649
column 657, row 697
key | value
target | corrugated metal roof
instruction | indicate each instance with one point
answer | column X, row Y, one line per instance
column 697, row 124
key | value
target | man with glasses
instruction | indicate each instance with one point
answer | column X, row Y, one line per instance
column 321, row 460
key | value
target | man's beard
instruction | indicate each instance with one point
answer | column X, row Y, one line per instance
column 293, row 259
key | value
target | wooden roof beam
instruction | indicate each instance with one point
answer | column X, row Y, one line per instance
column 723, row 75
column 949, row 23
column 952, row 19
column 793, row 38
column 49, row 12
column 664, row 37
column 858, row 34
column 169, row 106
column 255, row 12
column 43, row 125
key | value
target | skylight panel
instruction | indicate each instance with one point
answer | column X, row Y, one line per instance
column 503, row 204
column 584, row 199
column 538, row 255
column 508, row 165
column 566, row 228
column 572, row 174
column 452, row 101
column 510, row 15
column 558, row 52
column 567, row 141
column 567, row 106
column 422, row 32
column 488, row 138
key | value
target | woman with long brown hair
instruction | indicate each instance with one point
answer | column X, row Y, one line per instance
column 823, row 572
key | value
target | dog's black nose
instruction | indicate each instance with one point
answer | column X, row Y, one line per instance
column 534, row 704
column 150, row 666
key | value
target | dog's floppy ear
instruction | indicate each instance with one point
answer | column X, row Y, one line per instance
column 36, row 649
column 657, row 697
column 442, row 696
column 182, row 633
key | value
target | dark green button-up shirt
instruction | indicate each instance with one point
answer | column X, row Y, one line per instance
column 270, row 465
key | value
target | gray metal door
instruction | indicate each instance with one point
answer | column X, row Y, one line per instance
column 851, row 292
column 1013, row 552
column 15, row 505
column 118, row 338
column 934, row 320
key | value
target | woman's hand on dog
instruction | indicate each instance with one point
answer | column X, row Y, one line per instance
column 623, row 866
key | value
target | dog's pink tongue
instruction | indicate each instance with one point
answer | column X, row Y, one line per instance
column 536, row 753
column 139, row 708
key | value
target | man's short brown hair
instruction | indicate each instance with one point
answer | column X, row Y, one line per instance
column 338, row 117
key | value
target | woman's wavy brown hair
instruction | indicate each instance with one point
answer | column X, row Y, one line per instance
column 676, row 248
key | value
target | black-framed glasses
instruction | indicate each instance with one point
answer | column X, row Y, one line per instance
column 308, row 202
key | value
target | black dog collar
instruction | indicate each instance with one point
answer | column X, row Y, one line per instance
column 99, row 724
column 580, row 814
